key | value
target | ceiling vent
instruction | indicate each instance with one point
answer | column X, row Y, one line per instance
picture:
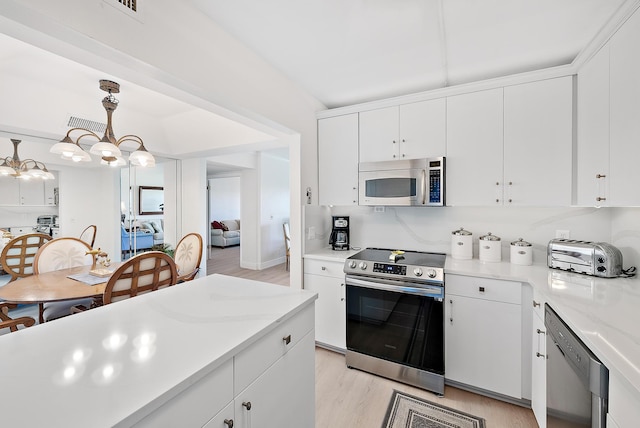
column 78, row 122
column 129, row 4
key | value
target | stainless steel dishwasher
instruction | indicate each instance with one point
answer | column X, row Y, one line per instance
column 577, row 382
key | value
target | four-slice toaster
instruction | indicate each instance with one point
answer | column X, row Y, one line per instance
column 591, row 258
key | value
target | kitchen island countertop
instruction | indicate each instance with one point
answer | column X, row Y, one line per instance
column 88, row 369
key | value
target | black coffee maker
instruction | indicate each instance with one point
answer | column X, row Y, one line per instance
column 339, row 239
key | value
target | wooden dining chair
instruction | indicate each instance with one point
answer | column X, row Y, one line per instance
column 88, row 235
column 187, row 256
column 61, row 253
column 141, row 274
column 18, row 255
column 13, row 323
column 287, row 244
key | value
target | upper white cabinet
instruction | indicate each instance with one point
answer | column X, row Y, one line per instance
column 408, row 131
column 624, row 84
column 34, row 192
column 592, row 148
column 474, row 148
column 338, row 160
column 538, row 142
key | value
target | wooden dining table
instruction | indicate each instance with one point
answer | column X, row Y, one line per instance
column 52, row 286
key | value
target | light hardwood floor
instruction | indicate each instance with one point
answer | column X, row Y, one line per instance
column 355, row 399
column 227, row 262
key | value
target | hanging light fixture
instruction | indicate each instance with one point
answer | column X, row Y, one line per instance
column 107, row 147
column 26, row 169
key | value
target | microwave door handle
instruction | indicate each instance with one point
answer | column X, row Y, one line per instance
column 424, row 187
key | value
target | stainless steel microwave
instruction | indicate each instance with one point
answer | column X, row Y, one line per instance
column 413, row 182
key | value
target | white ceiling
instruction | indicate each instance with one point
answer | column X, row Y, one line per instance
column 345, row 52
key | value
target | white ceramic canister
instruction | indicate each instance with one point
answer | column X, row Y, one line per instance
column 462, row 244
column 490, row 248
column 521, row 253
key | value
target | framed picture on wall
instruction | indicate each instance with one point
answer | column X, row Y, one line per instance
column 150, row 200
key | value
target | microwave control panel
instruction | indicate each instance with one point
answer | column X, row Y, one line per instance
column 436, row 182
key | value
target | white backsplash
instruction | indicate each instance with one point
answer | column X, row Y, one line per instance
column 429, row 229
column 625, row 234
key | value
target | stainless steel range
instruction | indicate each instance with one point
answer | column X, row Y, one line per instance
column 395, row 316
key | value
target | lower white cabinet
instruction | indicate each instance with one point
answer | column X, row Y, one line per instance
column 269, row 384
column 327, row 279
column 624, row 408
column 539, row 370
column 483, row 334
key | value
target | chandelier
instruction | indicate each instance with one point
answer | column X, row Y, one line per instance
column 26, row 169
column 107, row 147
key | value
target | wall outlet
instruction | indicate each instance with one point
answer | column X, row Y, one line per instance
column 563, row 234
column 378, row 209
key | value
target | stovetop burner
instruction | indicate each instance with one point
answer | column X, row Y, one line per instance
column 414, row 266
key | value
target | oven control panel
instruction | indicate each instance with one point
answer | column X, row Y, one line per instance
column 390, row 268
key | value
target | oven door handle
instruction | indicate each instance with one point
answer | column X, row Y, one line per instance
column 434, row 291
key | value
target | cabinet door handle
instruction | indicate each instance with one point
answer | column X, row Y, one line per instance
column 535, row 304
column 538, row 354
column 451, row 312
column 540, row 331
column 247, row 405
column 600, row 199
column 323, row 268
column 287, row 339
column 229, row 423
column 600, row 176
column 481, row 289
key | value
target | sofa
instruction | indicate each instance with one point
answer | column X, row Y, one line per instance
column 225, row 233
column 153, row 226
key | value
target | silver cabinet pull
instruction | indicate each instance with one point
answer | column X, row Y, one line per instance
column 600, row 199
column 535, row 304
column 247, row 405
column 324, row 268
column 600, row 176
column 229, row 423
column 540, row 331
column 481, row 289
column 538, row 354
column 451, row 317
column 287, row 339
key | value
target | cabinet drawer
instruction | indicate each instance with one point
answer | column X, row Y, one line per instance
column 324, row 268
column 196, row 405
column 484, row 288
column 251, row 362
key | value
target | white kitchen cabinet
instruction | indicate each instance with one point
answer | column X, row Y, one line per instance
column 483, row 334
column 474, row 148
column 408, row 131
column 327, row 279
column 31, row 192
column 338, row 160
column 539, row 364
column 538, row 142
column 10, row 191
column 592, row 147
column 51, row 190
column 283, row 396
column 624, row 84
column 623, row 402
column 276, row 374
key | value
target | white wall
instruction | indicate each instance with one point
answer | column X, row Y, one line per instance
column 274, row 183
column 250, row 214
column 625, row 234
column 224, row 198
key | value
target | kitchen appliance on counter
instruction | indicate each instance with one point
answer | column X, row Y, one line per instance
column 46, row 223
column 395, row 315
column 521, row 253
column 339, row 238
column 591, row 258
column 414, row 182
column 490, row 248
column 462, row 244
column 577, row 382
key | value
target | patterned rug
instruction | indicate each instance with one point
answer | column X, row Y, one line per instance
column 407, row 411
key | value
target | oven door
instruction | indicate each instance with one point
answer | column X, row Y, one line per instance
column 397, row 322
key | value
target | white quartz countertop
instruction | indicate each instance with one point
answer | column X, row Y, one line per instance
column 603, row 312
column 112, row 365
column 327, row 254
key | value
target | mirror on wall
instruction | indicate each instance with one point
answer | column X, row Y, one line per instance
column 151, row 200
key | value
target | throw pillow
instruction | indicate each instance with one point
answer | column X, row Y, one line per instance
column 217, row 225
column 224, row 226
column 157, row 227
